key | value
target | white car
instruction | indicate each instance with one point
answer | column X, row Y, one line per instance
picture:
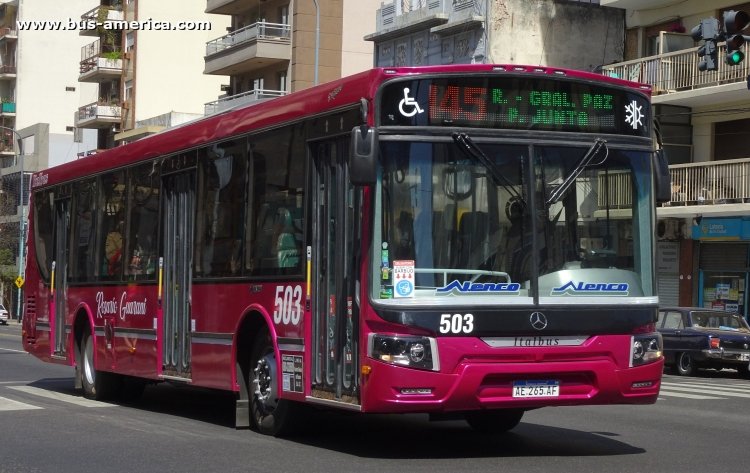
column 3, row 315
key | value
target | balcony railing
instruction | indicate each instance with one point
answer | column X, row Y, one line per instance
column 226, row 103
column 99, row 112
column 97, row 48
column 715, row 182
column 7, row 69
column 261, row 31
column 678, row 71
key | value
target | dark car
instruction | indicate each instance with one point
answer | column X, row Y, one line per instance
column 695, row 337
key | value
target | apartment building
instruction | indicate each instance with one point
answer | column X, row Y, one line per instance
column 704, row 118
column 144, row 58
column 274, row 47
column 542, row 32
column 38, row 91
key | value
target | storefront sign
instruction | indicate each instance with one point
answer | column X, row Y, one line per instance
column 710, row 228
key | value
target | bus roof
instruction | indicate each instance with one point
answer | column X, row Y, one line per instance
column 332, row 95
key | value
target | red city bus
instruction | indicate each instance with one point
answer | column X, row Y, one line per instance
column 473, row 240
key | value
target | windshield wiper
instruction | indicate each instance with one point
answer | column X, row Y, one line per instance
column 468, row 146
column 582, row 163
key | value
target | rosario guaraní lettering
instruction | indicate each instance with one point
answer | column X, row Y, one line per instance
column 124, row 307
column 458, row 287
column 588, row 288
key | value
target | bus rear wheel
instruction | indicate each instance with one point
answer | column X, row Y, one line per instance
column 268, row 414
column 494, row 421
column 96, row 384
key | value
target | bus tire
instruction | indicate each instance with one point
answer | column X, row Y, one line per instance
column 495, row 421
column 268, row 414
column 685, row 364
column 97, row 385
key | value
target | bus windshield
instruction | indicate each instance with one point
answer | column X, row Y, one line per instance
column 551, row 224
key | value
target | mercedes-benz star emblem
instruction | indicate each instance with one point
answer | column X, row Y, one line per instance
column 538, row 320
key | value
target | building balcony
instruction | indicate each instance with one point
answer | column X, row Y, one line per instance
column 252, row 96
column 99, row 14
column 636, row 4
column 98, row 115
column 250, row 48
column 676, row 80
column 8, row 109
column 400, row 17
column 99, row 62
column 232, row 7
column 8, row 34
column 7, row 72
column 99, row 69
column 715, row 188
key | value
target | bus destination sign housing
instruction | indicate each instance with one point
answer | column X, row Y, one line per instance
column 520, row 103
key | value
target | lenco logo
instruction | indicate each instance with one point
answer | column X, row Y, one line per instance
column 468, row 287
column 572, row 288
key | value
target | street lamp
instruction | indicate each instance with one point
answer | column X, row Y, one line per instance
column 21, row 222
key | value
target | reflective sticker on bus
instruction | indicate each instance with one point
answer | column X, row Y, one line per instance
column 572, row 288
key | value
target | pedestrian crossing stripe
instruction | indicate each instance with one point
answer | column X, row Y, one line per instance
column 707, row 390
column 11, row 405
column 77, row 400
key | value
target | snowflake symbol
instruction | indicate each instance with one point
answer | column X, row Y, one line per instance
column 633, row 115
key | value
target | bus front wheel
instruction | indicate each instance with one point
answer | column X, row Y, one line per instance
column 269, row 414
column 494, row 421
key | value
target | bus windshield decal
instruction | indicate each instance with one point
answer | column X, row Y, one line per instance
column 468, row 287
column 573, row 288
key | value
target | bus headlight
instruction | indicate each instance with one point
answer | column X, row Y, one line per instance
column 404, row 350
column 645, row 348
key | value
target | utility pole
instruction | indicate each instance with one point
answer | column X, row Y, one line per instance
column 21, row 221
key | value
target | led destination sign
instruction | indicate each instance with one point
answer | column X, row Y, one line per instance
column 516, row 103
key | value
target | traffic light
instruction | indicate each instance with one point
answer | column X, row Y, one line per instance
column 708, row 31
column 734, row 23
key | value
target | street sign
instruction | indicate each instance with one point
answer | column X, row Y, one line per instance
column 19, row 282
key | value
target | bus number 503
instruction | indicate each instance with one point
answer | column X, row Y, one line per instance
column 287, row 305
column 456, row 323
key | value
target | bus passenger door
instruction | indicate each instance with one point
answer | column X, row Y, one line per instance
column 335, row 224
column 178, row 214
column 60, row 276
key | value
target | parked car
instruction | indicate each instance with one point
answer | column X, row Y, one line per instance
column 3, row 315
column 695, row 337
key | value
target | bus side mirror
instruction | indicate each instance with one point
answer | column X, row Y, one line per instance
column 662, row 179
column 363, row 156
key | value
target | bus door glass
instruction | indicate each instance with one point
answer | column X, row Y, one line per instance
column 60, row 263
column 335, row 217
column 178, row 215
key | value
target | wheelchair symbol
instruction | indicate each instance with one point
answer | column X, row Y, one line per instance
column 410, row 103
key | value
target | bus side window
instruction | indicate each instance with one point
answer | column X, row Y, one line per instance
column 287, row 245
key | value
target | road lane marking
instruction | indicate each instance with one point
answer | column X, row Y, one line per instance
column 710, row 391
column 713, row 387
column 12, row 350
column 11, row 405
column 77, row 400
column 664, row 392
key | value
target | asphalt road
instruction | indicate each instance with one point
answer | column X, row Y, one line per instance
column 699, row 424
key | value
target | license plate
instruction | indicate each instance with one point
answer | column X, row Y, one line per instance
column 536, row 388
column 744, row 356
